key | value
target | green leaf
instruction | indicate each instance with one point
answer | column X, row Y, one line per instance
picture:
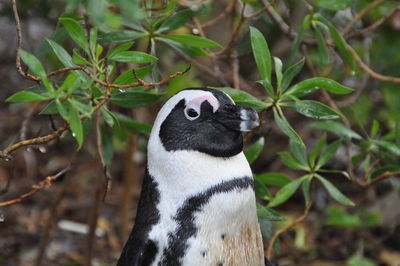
column 334, row 192
column 120, row 48
column 70, row 83
column 134, row 99
column 290, row 73
column 75, row 124
column 50, row 109
column 254, row 150
column 63, row 109
column 336, row 128
column 389, row 146
column 133, row 57
column 278, row 72
column 334, row 5
column 305, row 24
column 128, row 77
column 75, row 31
column 261, row 53
column 310, row 85
column 245, row 99
column 261, row 190
column 184, row 49
column 25, row 97
column 291, row 162
column 176, row 21
column 315, row 109
column 78, row 59
column 284, row 125
column 306, row 189
column 339, row 42
column 268, row 87
column 268, row 213
column 83, row 108
column 132, row 125
column 61, row 54
column 120, row 36
column 357, row 260
column 299, row 152
column 36, row 67
column 107, row 116
column 328, row 153
column 322, row 47
column 93, row 39
column 317, row 149
column 192, row 40
column 286, row 192
column 273, row 179
column 374, row 128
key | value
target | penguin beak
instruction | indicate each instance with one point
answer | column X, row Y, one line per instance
column 238, row 118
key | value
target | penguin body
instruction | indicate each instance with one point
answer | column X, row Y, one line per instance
column 197, row 205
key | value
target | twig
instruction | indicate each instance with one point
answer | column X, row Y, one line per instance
column 229, row 8
column 44, row 238
column 96, row 204
column 47, row 182
column 368, row 70
column 19, row 46
column 383, row 176
column 371, row 27
column 359, row 15
column 286, row 228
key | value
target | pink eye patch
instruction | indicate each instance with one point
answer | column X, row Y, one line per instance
column 196, row 102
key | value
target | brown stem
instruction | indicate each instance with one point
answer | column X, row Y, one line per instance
column 19, row 46
column 96, row 201
column 286, row 228
column 359, row 15
column 379, row 178
column 44, row 239
column 47, row 182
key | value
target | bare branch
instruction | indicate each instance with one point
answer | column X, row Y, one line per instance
column 47, row 182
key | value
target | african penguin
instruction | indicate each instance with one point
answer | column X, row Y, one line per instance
column 197, row 206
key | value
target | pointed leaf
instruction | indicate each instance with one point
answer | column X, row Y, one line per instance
column 36, row 67
column 176, row 21
column 299, row 152
column 193, row 40
column 290, row 73
column 134, row 99
column 328, row 153
column 120, row 48
column 61, row 54
column 278, row 72
column 291, row 162
column 336, row 128
column 268, row 214
column 254, row 150
column 310, row 85
column 334, row 192
column 315, row 109
column 133, row 57
column 245, row 99
column 75, row 124
column 306, row 189
column 284, row 125
column 261, row 53
column 322, row 47
column 273, row 179
column 75, row 31
column 286, row 192
column 317, row 149
column 78, row 59
column 25, row 97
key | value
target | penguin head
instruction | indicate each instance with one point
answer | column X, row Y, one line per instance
column 203, row 120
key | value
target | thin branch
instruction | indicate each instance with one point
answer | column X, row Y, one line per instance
column 371, row 27
column 368, row 70
column 359, row 15
column 286, row 228
column 383, row 176
column 47, row 182
column 19, row 46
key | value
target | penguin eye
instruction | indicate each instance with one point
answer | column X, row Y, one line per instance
column 191, row 113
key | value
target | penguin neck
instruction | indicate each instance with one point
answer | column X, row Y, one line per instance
column 192, row 172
